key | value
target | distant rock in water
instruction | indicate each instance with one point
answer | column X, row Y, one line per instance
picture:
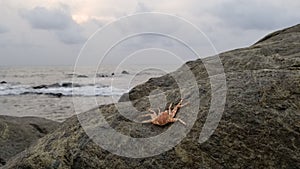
column 77, row 75
column 54, row 94
column 40, row 93
column 105, row 75
column 66, row 85
column 259, row 127
column 102, row 75
column 82, row 76
column 18, row 133
column 40, row 87
column 3, row 82
column 57, row 85
column 125, row 72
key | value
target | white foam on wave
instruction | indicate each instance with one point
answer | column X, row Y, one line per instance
column 7, row 89
column 85, row 90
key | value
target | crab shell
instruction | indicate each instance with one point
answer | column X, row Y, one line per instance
column 163, row 119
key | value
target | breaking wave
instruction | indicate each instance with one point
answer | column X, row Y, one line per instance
column 61, row 89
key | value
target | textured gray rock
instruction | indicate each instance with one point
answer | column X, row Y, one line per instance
column 260, row 126
column 18, row 133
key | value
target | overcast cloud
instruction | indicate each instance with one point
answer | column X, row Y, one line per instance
column 52, row 32
column 42, row 18
column 3, row 29
column 256, row 14
column 57, row 20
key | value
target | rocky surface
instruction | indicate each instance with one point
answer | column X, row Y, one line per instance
column 18, row 133
column 260, row 126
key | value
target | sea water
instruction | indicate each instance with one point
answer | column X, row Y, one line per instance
column 49, row 91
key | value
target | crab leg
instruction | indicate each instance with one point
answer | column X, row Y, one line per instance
column 159, row 111
column 179, row 105
column 152, row 111
column 149, row 114
column 153, row 115
column 170, row 112
column 147, row 121
column 177, row 119
column 145, row 115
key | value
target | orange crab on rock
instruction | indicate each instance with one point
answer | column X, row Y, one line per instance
column 165, row 117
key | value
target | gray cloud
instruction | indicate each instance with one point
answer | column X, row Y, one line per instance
column 229, row 24
column 254, row 14
column 3, row 29
column 57, row 20
column 42, row 18
column 70, row 36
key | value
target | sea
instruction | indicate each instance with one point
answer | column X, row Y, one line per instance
column 49, row 91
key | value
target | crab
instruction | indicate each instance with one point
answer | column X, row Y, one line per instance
column 165, row 117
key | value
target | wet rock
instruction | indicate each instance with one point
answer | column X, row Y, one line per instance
column 102, row 75
column 66, row 85
column 259, row 127
column 69, row 84
column 40, row 87
column 2, row 162
column 55, row 94
column 55, row 85
column 18, row 133
column 125, row 72
column 82, row 76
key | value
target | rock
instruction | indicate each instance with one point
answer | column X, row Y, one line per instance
column 259, row 127
column 40, row 87
column 2, row 162
column 28, row 93
column 66, row 84
column 125, row 72
column 55, row 94
column 18, row 133
column 54, row 85
column 101, row 75
column 57, row 85
column 82, row 76
column 3, row 82
column 69, row 84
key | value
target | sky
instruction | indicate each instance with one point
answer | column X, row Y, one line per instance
column 53, row 32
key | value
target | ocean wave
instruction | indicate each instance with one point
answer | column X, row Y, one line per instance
column 63, row 89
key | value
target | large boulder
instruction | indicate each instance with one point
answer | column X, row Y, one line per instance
column 259, row 128
column 18, row 133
